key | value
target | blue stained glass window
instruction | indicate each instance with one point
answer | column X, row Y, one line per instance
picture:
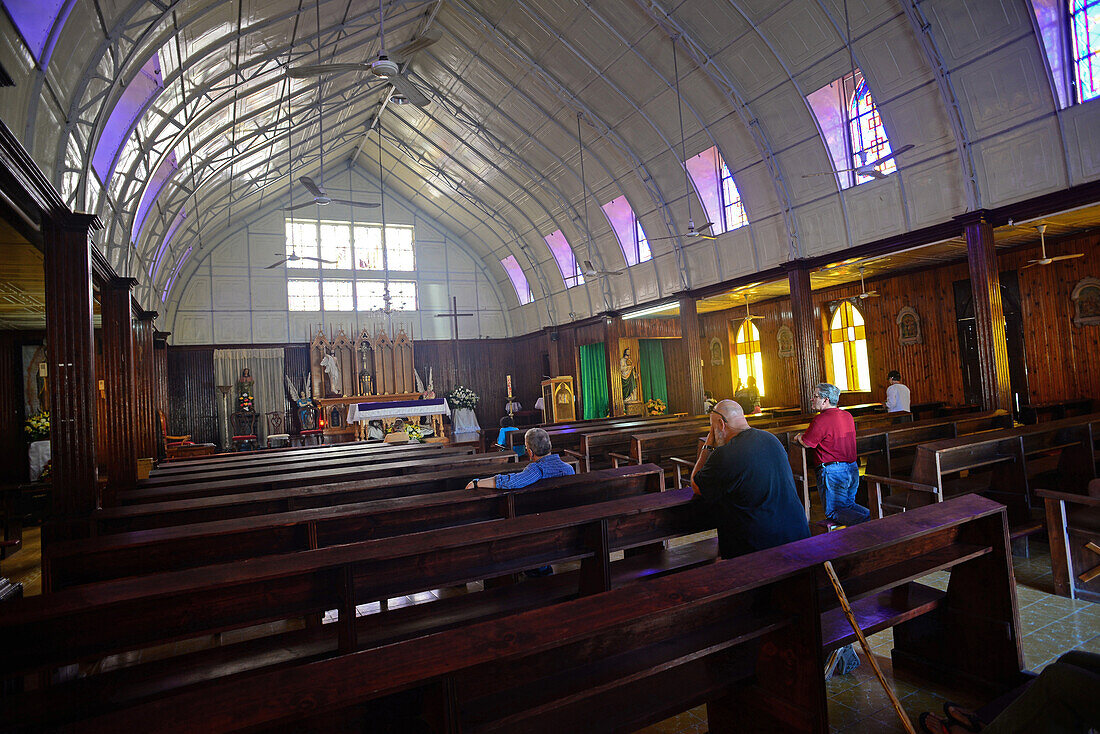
column 1085, row 30
column 732, row 208
column 869, row 142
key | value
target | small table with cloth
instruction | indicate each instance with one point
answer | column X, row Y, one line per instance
column 749, row 483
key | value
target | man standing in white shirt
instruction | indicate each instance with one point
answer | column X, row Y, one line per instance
column 897, row 394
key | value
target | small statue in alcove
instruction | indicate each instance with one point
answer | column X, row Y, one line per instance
column 245, row 389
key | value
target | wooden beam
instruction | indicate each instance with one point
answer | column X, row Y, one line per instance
column 693, row 352
column 808, row 348
column 120, row 384
column 70, row 350
column 989, row 320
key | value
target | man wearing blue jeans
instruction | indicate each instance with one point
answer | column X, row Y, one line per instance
column 832, row 435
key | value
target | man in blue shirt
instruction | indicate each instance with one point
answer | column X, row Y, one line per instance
column 543, row 465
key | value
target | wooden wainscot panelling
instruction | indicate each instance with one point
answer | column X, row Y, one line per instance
column 483, row 365
column 780, row 373
column 1063, row 359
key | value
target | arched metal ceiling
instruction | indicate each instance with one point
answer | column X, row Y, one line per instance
column 493, row 157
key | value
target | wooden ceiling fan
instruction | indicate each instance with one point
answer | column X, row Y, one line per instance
column 1044, row 260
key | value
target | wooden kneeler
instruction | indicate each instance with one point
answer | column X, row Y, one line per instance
column 867, row 648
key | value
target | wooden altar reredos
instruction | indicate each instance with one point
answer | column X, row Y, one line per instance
column 372, row 366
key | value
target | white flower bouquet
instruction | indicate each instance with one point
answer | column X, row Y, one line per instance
column 462, row 397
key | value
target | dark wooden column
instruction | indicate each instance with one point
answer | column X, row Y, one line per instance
column 70, row 351
column 160, row 385
column 989, row 318
column 807, row 335
column 146, row 405
column 693, row 352
column 120, row 384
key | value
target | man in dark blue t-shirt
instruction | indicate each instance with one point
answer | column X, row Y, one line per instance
column 743, row 474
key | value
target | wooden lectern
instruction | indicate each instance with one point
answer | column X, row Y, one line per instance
column 558, row 400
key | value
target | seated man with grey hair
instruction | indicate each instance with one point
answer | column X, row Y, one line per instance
column 832, row 435
column 543, row 465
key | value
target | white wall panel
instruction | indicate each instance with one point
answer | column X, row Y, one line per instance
column 969, row 29
column 192, row 328
column 230, row 292
column 821, row 227
column 752, row 66
column 1017, row 166
column 934, row 191
column 232, row 327
column 735, row 251
column 874, row 210
column 197, row 295
column 702, row 263
column 918, row 118
column 269, row 294
column 772, row 242
column 800, row 33
column 1005, row 89
column 1082, row 126
column 269, row 327
column 785, row 117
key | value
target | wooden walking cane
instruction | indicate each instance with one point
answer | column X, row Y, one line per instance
column 867, row 648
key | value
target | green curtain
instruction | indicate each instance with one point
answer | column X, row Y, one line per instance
column 651, row 363
column 594, row 380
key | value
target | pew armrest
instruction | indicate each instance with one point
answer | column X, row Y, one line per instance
column 901, row 483
column 617, row 459
column 679, row 464
column 582, row 459
column 1080, row 499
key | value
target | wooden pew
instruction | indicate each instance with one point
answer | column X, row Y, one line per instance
column 1056, row 410
column 998, row 464
column 364, row 454
column 221, row 541
column 746, row 637
column 227, row 506
column 567, row 435
column 1073, row 530
column 377, row 467
column 296, row 454
column 87, row 623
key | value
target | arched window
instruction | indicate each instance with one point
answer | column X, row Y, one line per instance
column 750, row 360
column 1084, row 18
column 869, row 141
column 848, row 337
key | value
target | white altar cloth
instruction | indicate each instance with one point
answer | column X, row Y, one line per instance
column 39, row 454
column 362, row 412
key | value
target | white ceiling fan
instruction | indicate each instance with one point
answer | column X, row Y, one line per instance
column 703, row 230
column 864, row 293
column 317, row 190
column 1044, row 260
column 590, row 271
column 749, row 316
column 383, row 67
column 295, row 257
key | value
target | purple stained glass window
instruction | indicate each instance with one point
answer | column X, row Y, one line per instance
column 703, row 170
column 733, row 211
column 39, row 22
column 172, row 279
column 567, row 261
column 152, row 191
column 519, row 280
column 628, row 230
column 154, row 267
column 869, row 141
column 142, row 88
column 1084, row 22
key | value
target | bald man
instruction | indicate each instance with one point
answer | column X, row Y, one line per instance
column 744, row 477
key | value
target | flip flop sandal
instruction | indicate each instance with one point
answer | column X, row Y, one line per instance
column 956, row 715
column 929, row 716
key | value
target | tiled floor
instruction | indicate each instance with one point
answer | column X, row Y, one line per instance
column 1051, row 625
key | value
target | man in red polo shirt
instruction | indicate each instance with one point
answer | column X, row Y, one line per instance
column 832, row 435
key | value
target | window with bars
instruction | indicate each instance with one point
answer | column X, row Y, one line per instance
column 335, row 241
column 628, row 230
column 865, row 131
column 303, row 294
column 370, row 295
column 1084, row 27
column 570, row 269
column 338, row 296
column 400, row 252
column 301, row 241
column 750, row 357
column 733, row 211
column 848, row 341
column 641, row 243
column 519, row 280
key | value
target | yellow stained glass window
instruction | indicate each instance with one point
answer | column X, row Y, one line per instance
column 848, row 342
column 750, row 360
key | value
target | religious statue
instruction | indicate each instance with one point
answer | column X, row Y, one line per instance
column 245, row 389
column 332, row 371
column 629, row 374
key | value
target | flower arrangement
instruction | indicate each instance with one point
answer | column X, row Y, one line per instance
column 462, row 397
column 655, row 406
column 245, row 402
column 415, row 433
column 37, row 427
column 47, row 470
